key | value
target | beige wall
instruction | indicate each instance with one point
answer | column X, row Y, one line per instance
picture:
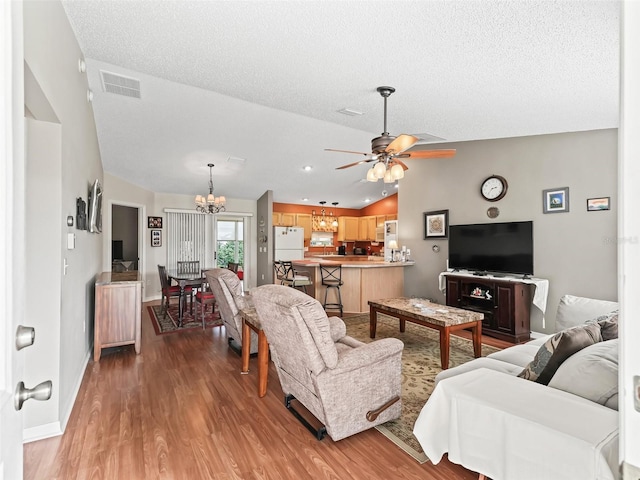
column 575, row 251
column 57, row 93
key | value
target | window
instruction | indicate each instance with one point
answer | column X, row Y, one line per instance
column 230, row 242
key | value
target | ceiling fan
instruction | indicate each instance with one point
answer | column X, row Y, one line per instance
column 387, row 151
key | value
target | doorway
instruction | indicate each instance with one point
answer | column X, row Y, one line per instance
column 125, row 241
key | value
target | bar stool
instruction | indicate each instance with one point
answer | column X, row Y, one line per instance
column 293, row 279
column 332, row 278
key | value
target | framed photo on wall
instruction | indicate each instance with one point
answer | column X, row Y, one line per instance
column 436, row 224
column 154, row 222
column 598, row 204
column 555, row 200
column 156, row 238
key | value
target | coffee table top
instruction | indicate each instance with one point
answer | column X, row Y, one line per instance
column 423, row 309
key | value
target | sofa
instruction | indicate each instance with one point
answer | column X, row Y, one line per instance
column 546, row 409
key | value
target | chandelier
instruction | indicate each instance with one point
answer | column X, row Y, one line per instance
column 385, row 169
column 210, row 204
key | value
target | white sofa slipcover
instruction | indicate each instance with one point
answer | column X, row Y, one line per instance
column 490, row 421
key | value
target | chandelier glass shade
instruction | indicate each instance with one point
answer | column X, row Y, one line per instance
column 209, row 203
column 387, row 171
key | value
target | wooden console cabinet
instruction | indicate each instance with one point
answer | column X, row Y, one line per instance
column 506, row 304
column 118, row 311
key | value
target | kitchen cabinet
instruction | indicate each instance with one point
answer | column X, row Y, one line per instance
column 367, row 229
column 284, row 219
column 392, row 217
column 304, row 220
column 348, row 229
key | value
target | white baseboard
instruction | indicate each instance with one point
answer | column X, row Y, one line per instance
column 55, row 429
column 41, row 432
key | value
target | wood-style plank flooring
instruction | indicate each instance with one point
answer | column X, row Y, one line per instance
column 182, row 410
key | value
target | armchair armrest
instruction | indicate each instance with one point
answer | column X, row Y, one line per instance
column 368, row 354
column 337, row 328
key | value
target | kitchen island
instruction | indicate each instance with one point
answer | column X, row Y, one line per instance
column 364, row 278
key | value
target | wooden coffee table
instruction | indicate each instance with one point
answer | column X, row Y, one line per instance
column 443, row 318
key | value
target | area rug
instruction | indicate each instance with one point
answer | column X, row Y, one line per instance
column 163, row 324
column 420, row 365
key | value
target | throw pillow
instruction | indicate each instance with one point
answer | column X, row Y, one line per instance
column 592, row 373
column 608, row 325
column 557, row 349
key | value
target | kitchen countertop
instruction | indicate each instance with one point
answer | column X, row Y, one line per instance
column 348, row 263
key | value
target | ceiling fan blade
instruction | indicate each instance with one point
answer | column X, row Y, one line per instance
column 444, row 153
column 355, row 163
column 345, row 151
column 401, row 143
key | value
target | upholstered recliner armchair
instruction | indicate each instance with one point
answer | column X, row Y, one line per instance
column 227, row 289
column 349, row 386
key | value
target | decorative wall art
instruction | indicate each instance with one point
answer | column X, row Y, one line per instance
column 81, row 214
column 555, row 200
column 156, row 238
column 598, row 204
column 436, row 224
column 154, row 222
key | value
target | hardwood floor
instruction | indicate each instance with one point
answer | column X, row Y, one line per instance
column 182, row 410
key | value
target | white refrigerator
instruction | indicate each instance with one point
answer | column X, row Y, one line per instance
column 288, row 243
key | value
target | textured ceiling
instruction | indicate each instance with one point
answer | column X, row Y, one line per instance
column 263, row 81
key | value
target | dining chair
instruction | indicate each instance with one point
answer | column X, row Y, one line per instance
column 169, row 290
column 235, row 268
column 189, row 266
column 204, row 296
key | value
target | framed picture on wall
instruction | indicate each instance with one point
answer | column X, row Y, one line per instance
column 156, row 238
column 555, row 200
column 154, row 222
column 598, row 204
column 436, row 224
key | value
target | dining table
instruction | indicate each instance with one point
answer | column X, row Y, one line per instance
column 184, row 280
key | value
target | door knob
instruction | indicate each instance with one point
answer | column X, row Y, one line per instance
column 25, row 336
column 41, row 392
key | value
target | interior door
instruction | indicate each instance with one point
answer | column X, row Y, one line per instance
column 12, row 216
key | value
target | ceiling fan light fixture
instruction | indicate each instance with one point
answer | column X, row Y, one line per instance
column 371, row 175
column 387, row 177
column 379, row 169
column 397, row 172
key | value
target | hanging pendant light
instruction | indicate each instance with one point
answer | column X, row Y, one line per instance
column 210, row 204
column 335, row 219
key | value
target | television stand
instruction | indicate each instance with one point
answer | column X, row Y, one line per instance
column 506, row 304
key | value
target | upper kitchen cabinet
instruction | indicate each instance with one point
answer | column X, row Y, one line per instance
column 367, row 229
column 284, row 219
column 348, row 229
column 304, row 220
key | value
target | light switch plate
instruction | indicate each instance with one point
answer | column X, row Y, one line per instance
column 71, row 241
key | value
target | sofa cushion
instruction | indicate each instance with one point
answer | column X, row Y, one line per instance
column 482, row 362
column 518, row 355
column 557, row 349
column 573, row 311
column 591, row 373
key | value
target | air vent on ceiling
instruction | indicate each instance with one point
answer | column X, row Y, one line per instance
column 350, row 112
column 120, row 85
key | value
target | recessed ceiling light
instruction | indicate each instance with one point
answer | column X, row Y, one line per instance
column 307, row 168
column 396, row 185
column 305, row 199
column 367, row 200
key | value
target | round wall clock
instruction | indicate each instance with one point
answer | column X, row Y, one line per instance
column 494, row 188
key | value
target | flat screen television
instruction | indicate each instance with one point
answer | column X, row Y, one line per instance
column 492, row 247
